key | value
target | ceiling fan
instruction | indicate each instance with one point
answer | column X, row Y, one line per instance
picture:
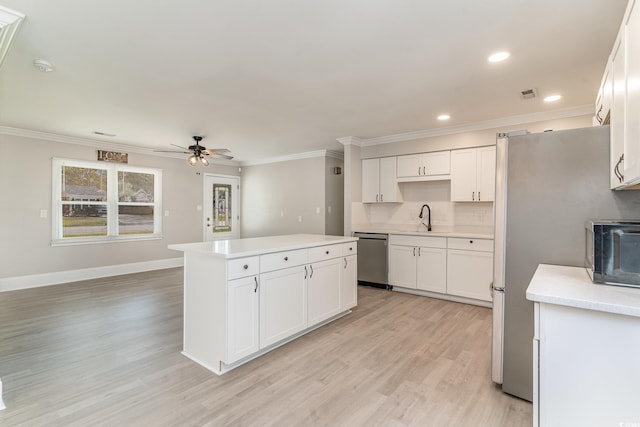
column 199, row 153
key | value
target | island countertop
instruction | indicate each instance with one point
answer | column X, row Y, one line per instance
column 572, row 287
column 238, row 248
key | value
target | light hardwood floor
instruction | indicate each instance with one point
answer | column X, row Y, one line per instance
column 107, row 352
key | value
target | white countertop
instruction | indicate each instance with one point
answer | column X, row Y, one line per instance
column 237, row 248
column 476, row 232
column 572, row 287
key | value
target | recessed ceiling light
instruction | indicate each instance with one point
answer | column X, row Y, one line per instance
column 444, row 117
column 499, row 56
column 552, row 98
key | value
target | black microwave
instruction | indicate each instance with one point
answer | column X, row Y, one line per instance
column 613, row 252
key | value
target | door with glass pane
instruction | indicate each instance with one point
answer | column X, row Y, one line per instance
column 221, row 210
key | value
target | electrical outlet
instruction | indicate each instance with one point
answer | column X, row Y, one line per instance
column 300, row 218
column 199, row 208
column 166, row 213
column 43, row 213
column 317, row 210
column 329, row 209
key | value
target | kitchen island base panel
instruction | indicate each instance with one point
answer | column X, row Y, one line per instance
column 447, row 297
column 224, row 368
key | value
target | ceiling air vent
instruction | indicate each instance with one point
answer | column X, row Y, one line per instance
column 9, row 23
column 528, row 94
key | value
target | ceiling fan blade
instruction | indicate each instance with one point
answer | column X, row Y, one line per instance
column 171, row 151
column 219, row 150
column 182, row 148
column 220, row 156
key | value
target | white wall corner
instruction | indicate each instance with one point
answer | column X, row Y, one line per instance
column 59, row 277
column 2, row 405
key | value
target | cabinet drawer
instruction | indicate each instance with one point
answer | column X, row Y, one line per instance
column 350, row 248
column 470, row 244
column 243, row 267
column 320, row 253
column 278, row 260
column 424, row 241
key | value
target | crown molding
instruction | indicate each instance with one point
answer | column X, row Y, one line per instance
column 10, row 21
column 101, row 144
column 488, row 124
column 350, row 140
column 299, row 156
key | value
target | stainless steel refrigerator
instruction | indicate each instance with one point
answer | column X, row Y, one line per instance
column 547, row 185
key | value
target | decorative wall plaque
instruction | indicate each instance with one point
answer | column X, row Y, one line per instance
column 112, row 156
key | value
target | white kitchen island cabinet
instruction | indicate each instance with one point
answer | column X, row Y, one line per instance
column 245, row 297
column 586, row 348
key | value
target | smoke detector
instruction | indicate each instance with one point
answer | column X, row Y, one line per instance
column 528, row 94
column 42, row 65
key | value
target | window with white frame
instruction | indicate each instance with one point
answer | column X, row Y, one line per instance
column 100, row 202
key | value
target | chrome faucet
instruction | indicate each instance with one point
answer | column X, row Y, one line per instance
column 428, row 224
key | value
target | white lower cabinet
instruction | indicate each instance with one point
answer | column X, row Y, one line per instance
column 470, row 268
column 323, row 290
column 349, row 282
column 449, row 266
column 283, row 304
column 242, row 318
column 417, row 262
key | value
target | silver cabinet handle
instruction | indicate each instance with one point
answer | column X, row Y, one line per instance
column 245, row 266
column 424, row 170
column 418, row 170
column 419, row 252
column 414, row 251
column 305, row 271
column 311, row 275
column 479, row 196
column 256, row 280
column 327, row 252
column 376, row 197
column 345, row 263
column 286, row 258
column 473, row 195
column 381, row 197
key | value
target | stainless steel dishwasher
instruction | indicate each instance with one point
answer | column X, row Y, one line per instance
column 372, row 259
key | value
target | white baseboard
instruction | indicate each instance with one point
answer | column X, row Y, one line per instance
column 58, row 277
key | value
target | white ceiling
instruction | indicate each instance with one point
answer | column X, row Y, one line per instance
column 274, row 78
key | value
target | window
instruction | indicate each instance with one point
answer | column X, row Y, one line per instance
column 99, row 202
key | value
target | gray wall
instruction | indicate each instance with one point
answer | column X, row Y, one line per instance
column 25, row 185
column 274, row 195
column 334, row 197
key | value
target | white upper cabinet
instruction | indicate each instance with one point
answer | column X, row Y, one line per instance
column 473, row 174
column 424, row 166
column 624, row 74
column 632, row 110
column 379, row 182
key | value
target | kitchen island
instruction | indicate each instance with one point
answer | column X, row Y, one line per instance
column 245, row 297
column 586, row 348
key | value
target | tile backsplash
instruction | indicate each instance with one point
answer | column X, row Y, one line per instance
column 434, row 193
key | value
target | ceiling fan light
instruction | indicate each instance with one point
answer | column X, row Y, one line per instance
column 193, row 160
column 204, row 161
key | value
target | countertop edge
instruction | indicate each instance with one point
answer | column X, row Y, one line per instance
column 572, row 287
column 461, row 234
column 311, row 241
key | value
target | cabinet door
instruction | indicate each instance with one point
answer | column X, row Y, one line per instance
column 486, row 185
column 283, row 304
column 402, row 266
column 463, row 175
column 616, row 118
column 432, row 269
column 242, row 318
column 370, row 180
column 389, row 191
column 438, row 163
column 632, row 110
column 349, row 282
column 323, row 290
column 469, row 273
column 409, row 166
